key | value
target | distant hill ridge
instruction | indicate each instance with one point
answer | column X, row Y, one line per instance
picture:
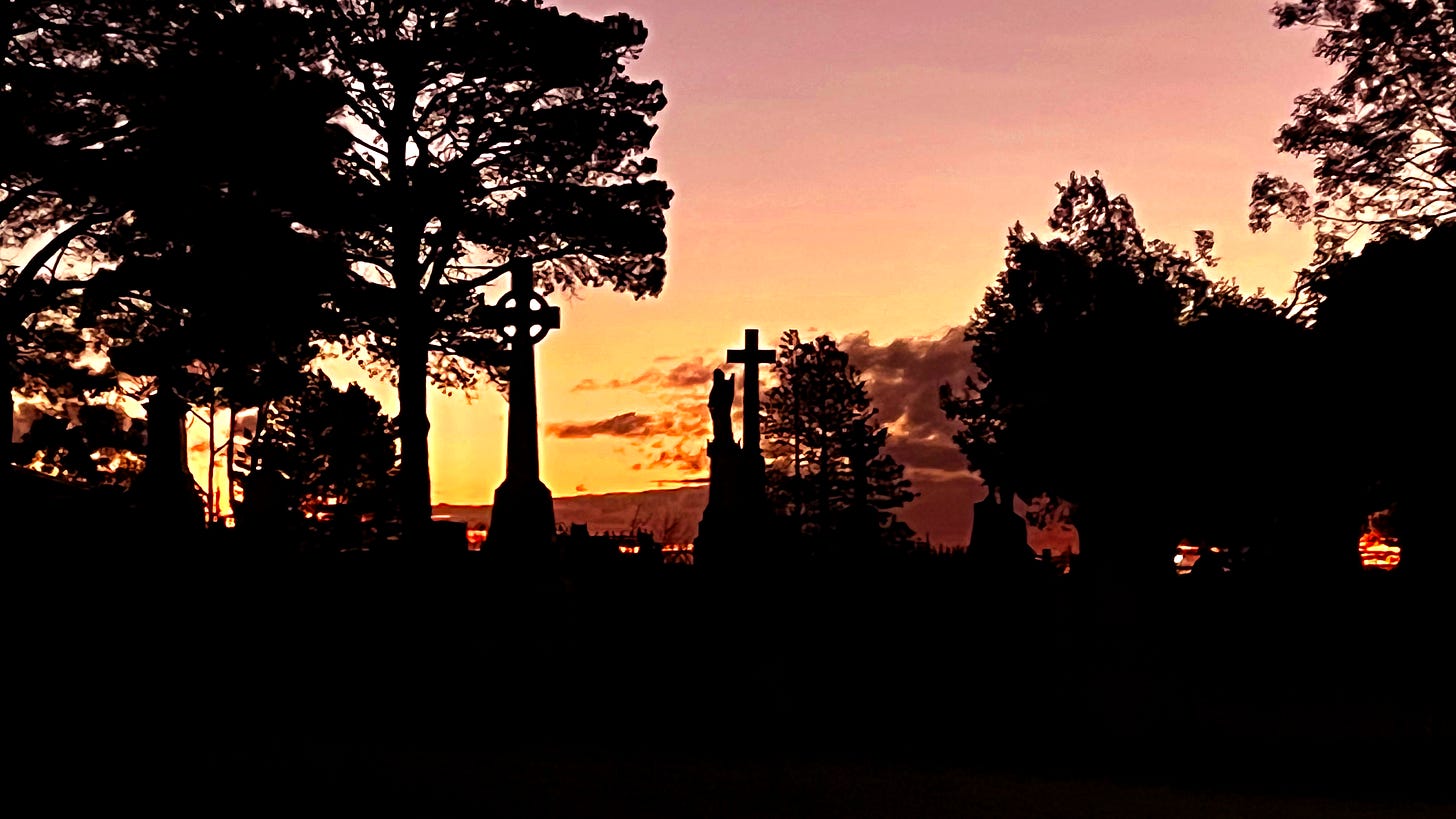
column 671, row 515
column 942, row 512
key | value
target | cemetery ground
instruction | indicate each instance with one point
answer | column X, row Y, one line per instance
column 359, row 684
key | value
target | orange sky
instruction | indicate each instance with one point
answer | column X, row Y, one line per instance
column 853, row 167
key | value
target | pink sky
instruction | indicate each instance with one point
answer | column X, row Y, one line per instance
column 852, row 167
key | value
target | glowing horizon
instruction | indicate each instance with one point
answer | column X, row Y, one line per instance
column 854, row 170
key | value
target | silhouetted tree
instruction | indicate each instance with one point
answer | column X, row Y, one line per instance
column 320, row 465
column 53, row 370
column 95, row 444
column 1382, row 321
column 66, row 73
column 107, row 97
column 1383, row 135
column 214, row 326
column 1114, row 375
column 488, row 138
column 1061, row 402
column 1265, row 469
column 827, row 471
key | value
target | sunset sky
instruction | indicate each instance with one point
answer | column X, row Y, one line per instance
column 852, row 168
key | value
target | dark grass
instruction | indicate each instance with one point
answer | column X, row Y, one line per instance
column 366, row 684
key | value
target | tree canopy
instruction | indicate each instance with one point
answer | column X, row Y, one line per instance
column 1115, row 375
column 65, row 78
column 1383, row 135
column 320, row 466
column 827, row 472
column 385, row 163
column 486, row 140
column 1381, row 322
column 130, row 161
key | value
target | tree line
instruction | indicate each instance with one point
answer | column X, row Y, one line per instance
column 202, row 192
column 198, row 195
column 1119, row 383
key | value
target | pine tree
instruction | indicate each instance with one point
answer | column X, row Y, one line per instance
column 827, row 471
column 320, row 467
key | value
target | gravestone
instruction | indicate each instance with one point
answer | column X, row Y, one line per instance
column 735, row 521
column 165, row 493
column 998, row 535
column 522, row 521
column 750, row 357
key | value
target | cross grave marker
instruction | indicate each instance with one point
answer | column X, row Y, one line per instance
column 750, row 357
column 522, row 513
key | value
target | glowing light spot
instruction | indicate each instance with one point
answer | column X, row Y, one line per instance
column 1379, row 551
column 1185, row 557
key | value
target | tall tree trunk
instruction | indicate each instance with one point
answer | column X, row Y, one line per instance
column 212, row 504
column 414, row 432
column 412, row 345
column 229, row 475
column 11, row 370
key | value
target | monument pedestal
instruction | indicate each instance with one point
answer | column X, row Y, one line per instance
column 522, row 521
column 165, row 492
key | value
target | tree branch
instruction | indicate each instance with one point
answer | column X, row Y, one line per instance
column 17, row 197
column 56, row 245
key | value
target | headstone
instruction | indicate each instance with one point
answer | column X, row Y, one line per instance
column 750, row 357
column 165, row 492
column 998, row 535
column 735, row 522
column 523, row 521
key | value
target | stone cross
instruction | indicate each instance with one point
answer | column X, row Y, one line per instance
column 522, row 513
column 750, row 357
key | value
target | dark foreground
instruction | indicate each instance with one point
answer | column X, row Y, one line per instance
column 362, row 685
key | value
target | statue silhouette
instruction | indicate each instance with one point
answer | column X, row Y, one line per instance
column 720, row 408
column 725, row 496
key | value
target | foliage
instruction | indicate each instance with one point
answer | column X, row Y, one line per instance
column 827, row 471
column 1113, row 374
column 486, row 139
column 62, row 75
column 68, row 69
column 113, row 102
column 1383, row 135
column 320, row 462
column 179, row 273
column 1045, row 335
column 1382, row 320
column 96, row 444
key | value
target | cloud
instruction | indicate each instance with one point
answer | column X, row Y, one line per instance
column 645, row 379
column 679, row 454
column 670, row 427
column 935, row 453
column 635, row 425
column 626, row 425
column 904, row 378
column 693, row 374
column 903, row 375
